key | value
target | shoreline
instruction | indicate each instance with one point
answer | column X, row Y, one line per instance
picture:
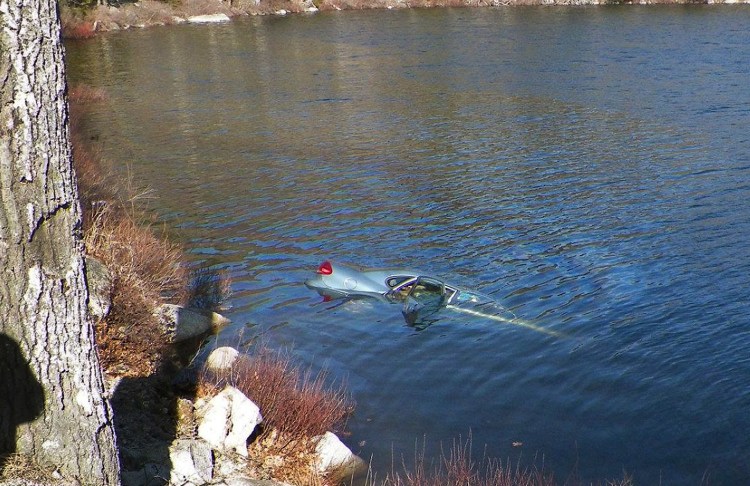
column 150, row 13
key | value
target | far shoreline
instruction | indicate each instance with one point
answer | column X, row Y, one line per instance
column 82, row 24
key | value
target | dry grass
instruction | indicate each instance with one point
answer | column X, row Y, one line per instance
column 148, row 266
column 95, row 183
column 457, row 467
column 22, row 466
column 75, row 24
column 146, row 269
column 295, row 466
column 295, row 403
column 297, row 407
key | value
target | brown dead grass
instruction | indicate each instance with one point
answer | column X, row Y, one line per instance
column 146, row 268
column 146, row 271
column 291, row 465
column 297, row 407
column 457, row 467
column 15, row 466
column 296, row 403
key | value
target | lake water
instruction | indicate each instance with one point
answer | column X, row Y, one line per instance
column 589, row 168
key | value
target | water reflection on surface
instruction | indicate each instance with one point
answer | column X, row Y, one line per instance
column 587, row 168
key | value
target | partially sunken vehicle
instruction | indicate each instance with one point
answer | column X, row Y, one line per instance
column 420, row 294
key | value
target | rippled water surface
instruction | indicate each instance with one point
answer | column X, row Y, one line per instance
column 589, row 168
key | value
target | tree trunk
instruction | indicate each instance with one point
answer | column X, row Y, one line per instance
column 52, row 403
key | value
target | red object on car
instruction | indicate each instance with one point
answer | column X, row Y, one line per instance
column 325, row 268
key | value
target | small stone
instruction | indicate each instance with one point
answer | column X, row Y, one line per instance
column 222, row 358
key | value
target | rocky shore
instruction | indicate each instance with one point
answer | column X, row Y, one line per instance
column 147, row 13
column 169, row 434
column 213, row 436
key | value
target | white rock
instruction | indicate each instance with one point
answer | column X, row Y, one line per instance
column 281, row 12
column 181, row 324
column 192, row 462
column 334, row 455
column 208, row 19
column 222, row 358
column 228, row 420
column 312, row 9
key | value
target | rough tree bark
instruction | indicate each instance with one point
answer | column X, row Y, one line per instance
column 52, row 403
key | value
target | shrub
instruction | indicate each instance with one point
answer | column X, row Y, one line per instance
column 297, row 407
column 146, row 268
column 456, row 467
column 146, row 271
column 295, row 403
column 208, row 289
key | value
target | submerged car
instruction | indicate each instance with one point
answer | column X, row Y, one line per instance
column 421, row 295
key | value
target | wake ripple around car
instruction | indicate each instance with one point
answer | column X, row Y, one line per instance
column 495, row 311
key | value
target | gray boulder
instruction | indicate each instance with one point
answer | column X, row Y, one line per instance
column 335, row 457
column 181, row 324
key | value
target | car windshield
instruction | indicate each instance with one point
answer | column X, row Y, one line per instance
column 426, row 289
column 402, row 289
column 397, row 280
column 426, row 297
